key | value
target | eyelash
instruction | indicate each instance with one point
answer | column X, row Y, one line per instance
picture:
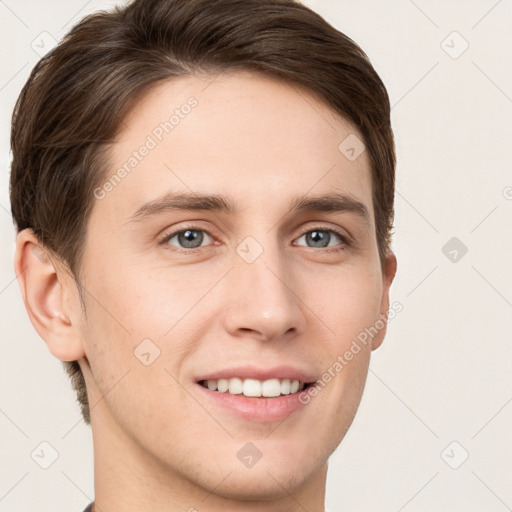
column 344, row 239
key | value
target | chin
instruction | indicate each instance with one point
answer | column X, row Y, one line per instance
column 262, row 483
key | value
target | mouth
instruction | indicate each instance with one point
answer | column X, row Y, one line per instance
column 247, row 398
column 255, row 388
column 256, row 393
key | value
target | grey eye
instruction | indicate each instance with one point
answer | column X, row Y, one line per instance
column 320, row 237
column 188, row 238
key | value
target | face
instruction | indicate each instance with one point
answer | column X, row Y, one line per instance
column 246, row 286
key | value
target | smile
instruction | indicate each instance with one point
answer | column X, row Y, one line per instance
column 253, row 387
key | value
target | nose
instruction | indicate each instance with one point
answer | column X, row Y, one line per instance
column 263, row 301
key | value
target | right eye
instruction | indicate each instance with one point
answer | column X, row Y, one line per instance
column 189, row 238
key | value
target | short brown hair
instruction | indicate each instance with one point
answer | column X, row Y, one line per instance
column 77, row 96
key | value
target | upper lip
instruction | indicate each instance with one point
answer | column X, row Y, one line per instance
column 254, row 372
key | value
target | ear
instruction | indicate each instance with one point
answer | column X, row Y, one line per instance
column 47, row 291
column 388, row 274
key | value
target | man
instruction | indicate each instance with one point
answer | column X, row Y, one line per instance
column 204, row 196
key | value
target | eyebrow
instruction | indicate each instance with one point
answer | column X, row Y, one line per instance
column 172, row 201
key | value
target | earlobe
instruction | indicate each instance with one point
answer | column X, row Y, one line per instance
column 43, row 289
column 389, row 272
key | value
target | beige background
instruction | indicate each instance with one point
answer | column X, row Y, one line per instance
column 443, row 373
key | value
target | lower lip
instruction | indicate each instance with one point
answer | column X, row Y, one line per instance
column 255, row 408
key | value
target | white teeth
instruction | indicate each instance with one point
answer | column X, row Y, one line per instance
column 222, row 385
column 235, row 386
column 285, row 387
column 271, row 388
column 253, row 387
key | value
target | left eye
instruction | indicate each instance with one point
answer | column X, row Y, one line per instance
column 321, row 238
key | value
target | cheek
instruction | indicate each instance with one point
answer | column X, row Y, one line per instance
column 136, row 318
column 143, row 302
column 349, row 307
column 348, row 303
column 135, row 369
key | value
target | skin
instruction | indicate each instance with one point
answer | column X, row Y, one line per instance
column 158, row 444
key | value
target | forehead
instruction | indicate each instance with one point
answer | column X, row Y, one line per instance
column 242, row 134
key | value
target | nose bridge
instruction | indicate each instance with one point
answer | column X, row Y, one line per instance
column 262, row 299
